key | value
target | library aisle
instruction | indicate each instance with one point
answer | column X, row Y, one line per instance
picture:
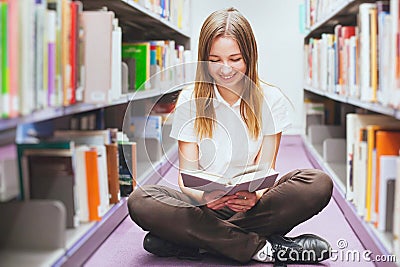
column 124, row 245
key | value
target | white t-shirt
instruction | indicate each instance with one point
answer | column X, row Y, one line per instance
column 231, row 148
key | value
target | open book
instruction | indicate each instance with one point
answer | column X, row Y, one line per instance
column 251, row 179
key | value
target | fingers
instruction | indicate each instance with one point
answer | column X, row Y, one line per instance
column 240, row 202
column 245, row 200
column 238, row 208
column 219, row 202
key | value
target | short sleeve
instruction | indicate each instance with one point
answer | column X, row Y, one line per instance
column 275, row 111
column 184, row 117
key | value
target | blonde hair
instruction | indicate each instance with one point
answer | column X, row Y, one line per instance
column 227, row 22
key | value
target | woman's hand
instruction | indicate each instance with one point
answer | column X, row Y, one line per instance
column 216, row 200
column 243, row 201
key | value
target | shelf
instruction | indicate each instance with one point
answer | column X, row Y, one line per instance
column 82, row 241
column 375, row 107
column 151, row 172
column 344, row 13
column 12, row 258
column 377, row 242
column 146, row 24
column 87, row 238
column 338, row 177
column 52, row 113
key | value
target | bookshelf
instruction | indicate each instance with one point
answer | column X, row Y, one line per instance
column 318, row 87
column 139, row 21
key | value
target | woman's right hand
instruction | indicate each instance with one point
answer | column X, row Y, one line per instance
column 216, row 200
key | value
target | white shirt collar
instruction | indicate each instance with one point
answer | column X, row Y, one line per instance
column 219, row 99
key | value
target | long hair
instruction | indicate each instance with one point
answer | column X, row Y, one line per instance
column 227, row 22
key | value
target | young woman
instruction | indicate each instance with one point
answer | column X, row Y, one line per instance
column 227, row 120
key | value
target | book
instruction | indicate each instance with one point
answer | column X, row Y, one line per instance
column 23, row 183
column 252, row 178
column 127, row 169
column 97, row 45
column 387, row 144
column 396, row 213
column 9, row 187
column 386, row 191
column 50, row 174
column 93, row 185
column 112, row 172
column 140, row 52
column 359, row 170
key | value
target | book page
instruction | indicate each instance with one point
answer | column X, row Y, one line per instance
column 213, row 177
column 251, row 176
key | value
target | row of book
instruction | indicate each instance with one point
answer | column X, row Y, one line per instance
column 154, row 64
column 358, row 61
column 85, row 170
column 55, row 54
column 373, row 170
column 172, row 11
column 365, row 156
column 318, row 10
column 370, row 137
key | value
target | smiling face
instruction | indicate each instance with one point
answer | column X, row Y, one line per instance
column 227, row 66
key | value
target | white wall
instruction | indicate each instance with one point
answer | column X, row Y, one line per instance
column 276, row 27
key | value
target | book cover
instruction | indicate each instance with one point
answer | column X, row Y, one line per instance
column 51, row 176
column 42, row 145
column 51, row 24
column 81, row 183
column 127, row 167
column 112, row 172
column 387, row 144
column 140, row 52
column 396, row 213
column 97, row 45
column 40, row 92
column 360, row 171
column 13, row 56
column 365, row 51
column 9, row 187
column 4, row 67
column 93, row 186
column 251, row 179
column 387, row 176
column 76, row 12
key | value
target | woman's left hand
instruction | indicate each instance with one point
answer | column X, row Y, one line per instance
column 244, row 201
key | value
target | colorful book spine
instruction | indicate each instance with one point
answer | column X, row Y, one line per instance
column 4, row 70
column 13, row 53
column 51, row 46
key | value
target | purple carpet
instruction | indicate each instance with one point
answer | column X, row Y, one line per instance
column 124, row 246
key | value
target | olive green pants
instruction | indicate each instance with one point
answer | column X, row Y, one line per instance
column 173, row 216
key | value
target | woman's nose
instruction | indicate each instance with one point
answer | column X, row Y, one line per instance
column 226, row 69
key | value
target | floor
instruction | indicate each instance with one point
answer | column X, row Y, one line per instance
column 124, row 246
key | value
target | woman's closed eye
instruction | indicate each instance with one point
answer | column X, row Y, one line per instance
column 217, row 60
